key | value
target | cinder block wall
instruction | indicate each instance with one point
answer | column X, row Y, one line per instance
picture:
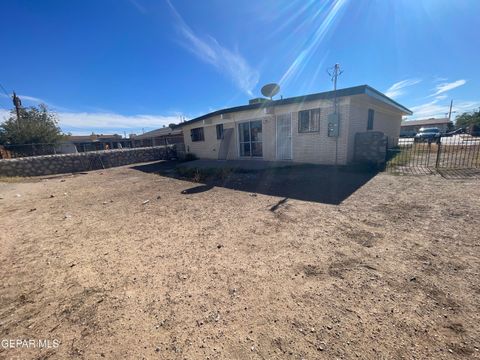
column 67, row 163
column 370, row 147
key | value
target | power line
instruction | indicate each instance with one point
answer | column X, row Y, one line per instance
column 5, row 91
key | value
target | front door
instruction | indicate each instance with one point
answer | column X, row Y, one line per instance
column 284, row 137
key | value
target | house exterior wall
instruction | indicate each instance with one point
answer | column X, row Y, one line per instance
column 314, row 147
column 386, row 120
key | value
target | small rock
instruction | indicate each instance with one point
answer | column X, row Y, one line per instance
column 104, row 203
column 157, row 349
column 413, row 278
column 145, row 202
column 52, row 196
column 32, row 209
column 253, row 194
column 159, row 197
column 18, row 195
column 219, row 246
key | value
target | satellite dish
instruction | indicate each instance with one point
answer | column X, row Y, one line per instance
column 270, row 90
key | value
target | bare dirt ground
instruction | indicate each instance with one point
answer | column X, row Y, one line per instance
column 392, row 272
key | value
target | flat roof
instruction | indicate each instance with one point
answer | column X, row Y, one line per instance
column 431, row 121
column 356, row 90
column 158, row 132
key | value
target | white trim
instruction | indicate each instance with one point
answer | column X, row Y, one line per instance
column 386, row 100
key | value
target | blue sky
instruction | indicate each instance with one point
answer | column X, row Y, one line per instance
column 126, row 65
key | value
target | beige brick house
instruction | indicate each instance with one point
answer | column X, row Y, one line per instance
column 295, row 129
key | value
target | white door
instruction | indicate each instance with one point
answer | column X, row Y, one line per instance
column 284, row 137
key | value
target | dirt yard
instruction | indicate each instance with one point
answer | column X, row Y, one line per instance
column 125, row 263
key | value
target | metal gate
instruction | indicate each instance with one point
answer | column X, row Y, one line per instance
column 445, row 155
column 284, row 137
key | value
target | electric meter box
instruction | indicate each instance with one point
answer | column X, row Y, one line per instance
column 333, row 125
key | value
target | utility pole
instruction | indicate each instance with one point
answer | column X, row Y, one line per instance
column 450, row 111
column 17, row 103
column 334, row 73
column 333, row 119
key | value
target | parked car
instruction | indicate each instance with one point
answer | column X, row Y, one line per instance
column 428, row 134
column 455, row 132
column 407, row 133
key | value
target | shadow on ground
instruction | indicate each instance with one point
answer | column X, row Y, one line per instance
column 317, row 183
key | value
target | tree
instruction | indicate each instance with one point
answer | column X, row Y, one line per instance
column 36, row 125
column 469, row 119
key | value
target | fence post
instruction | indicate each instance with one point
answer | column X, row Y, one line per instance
column 439, row 145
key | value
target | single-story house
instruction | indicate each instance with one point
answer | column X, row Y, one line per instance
column 414, row 126
column 295, row 128
column 162, row 136
column 95, row 142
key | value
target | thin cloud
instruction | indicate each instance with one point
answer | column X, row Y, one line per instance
column 435, row 109
column 230, row 63
column 138, row 6
column 398, row 88
column 444, row 87
column 87, row 120
column 32, row 100
column 84, row 122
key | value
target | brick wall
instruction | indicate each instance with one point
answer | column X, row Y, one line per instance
column 313, row 147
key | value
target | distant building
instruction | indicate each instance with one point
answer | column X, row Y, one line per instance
column 413, row 126
column 162, row 136
column 97, row 142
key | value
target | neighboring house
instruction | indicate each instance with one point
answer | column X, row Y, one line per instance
column 414, row 126
column 96, row 142
column 162, row 136
column 294, row 128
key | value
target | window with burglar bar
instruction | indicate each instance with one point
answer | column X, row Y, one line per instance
column 219, row 131
column 309, row 121
column 197, row 134
column 371, row 115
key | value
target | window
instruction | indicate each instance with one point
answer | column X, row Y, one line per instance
column 219, row 131
column 309, row 121
column 250, row 138
column 371, row 115
column 197, row 134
